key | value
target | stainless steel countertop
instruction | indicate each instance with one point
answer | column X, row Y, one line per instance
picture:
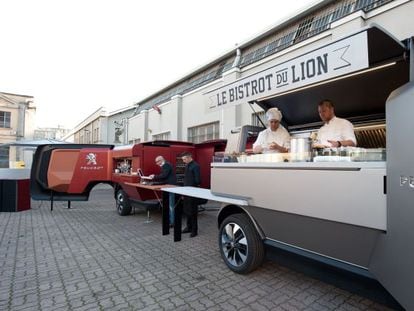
column 303, row 165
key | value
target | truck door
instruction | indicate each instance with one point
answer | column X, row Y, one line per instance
column 393, row 259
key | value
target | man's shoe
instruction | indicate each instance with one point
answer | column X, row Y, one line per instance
column 185, row 230
column 193, row 234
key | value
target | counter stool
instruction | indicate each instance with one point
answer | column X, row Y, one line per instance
column 149, row 206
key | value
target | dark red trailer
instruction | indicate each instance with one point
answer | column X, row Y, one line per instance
column 68, row 172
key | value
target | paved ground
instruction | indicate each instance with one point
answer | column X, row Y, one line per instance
column 89, row 258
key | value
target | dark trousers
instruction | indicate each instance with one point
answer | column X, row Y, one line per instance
column 190, row 209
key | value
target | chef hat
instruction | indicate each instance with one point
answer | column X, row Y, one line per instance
column 273, row 114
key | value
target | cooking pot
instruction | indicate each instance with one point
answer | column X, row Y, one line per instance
column 300, row 149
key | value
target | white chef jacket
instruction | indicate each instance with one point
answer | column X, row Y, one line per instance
column 337, row 129
column 266, row 137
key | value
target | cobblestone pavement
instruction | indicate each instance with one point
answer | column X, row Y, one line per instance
column 89, row 258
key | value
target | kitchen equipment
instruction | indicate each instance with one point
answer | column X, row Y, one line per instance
column 341, row 154
column 300, row 149
column 368, row 154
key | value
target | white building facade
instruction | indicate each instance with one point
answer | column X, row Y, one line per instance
column 92, row 130
column 50, row 133
column 182, row 111
column 101, row 127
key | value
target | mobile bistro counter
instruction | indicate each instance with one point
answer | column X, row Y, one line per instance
column 356, row 216
column 14, row 190
column 196, row 193
column 163, row 201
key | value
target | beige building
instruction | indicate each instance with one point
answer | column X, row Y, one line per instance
column 17, row 122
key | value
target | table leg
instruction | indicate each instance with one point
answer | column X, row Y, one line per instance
column 165, row 213
column 178, row 211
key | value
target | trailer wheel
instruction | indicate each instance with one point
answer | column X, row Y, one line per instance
column 240, row 245
column 123, row 205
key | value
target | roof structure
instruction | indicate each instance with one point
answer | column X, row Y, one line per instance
column 309, row 22
column 33, row 143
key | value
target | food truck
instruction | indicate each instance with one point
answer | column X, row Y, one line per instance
column 68, row 172
column 350, row 208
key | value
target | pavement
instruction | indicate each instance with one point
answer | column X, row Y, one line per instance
column 89, row 258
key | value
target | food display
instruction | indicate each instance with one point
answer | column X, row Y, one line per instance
column 264, row 157
column 349, row 154
column 341, row 154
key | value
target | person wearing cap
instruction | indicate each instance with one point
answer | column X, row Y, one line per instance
column 275, row 138
column 335, row 132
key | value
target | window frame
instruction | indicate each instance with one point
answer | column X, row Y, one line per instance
column 162, row 136
column 5, row 119
column 200, row 133
column 4, row 156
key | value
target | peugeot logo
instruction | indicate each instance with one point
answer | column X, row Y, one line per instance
column 407, row 181
column 91, row 159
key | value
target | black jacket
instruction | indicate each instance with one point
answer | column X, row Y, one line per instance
column 192, row 174
column 167, row 174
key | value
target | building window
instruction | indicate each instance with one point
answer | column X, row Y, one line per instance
column 256, row 116
column 198, row 134
column 303, row 31
column 161, row 136
column 5, row 117
column 4, row 157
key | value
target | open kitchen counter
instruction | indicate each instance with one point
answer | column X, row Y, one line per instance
column 348, row 192
column 304, row 165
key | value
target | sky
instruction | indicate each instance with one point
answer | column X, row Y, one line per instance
column 75, row 56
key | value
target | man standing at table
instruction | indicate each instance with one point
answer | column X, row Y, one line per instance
column 191, row 178
column 166, row 176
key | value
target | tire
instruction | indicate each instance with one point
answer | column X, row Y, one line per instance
column 240, row 245
column 123, row 205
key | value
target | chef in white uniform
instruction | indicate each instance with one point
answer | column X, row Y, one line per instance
column 335, row 132
column 275, row 138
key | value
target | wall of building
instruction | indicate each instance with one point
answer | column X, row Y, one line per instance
column 396, row 18
column 137, row 128
column 191, row 109
column 83, row 133
column 117, row 127
column 9, row 134
column 22, row 117
column 50, row 133
column 103, row 130
column 22, row 124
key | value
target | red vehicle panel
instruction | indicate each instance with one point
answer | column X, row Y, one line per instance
column 68, row 172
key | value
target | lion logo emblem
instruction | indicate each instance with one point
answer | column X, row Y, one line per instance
column 91, row 158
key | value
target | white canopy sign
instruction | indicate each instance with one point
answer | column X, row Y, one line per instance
column 334, row 60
